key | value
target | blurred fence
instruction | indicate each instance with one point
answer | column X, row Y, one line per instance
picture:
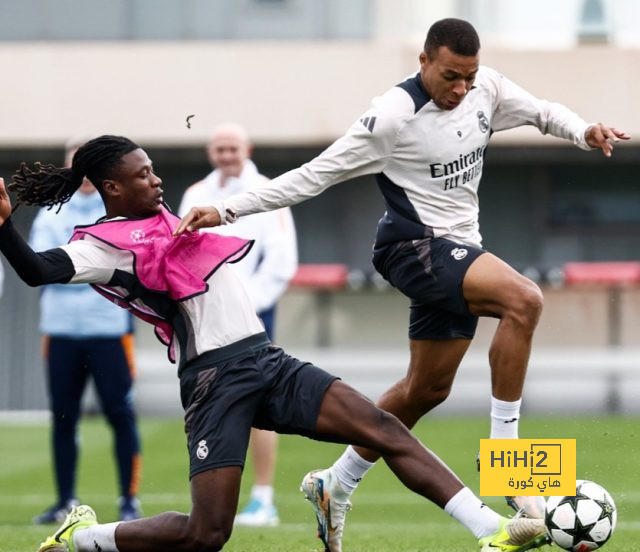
column 359, row 332
column 560, row 381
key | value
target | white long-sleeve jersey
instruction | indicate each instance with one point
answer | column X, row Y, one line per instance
column 428, row 161
column 273, row 259
column 216, row 319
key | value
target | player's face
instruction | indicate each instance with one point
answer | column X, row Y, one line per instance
column 448, row 77
column 228, row 152
column 135, row 190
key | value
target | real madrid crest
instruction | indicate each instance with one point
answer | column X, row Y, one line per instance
column 203, row 450
column 483, row 122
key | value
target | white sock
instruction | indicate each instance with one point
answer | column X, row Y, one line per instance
column 263, row 493
column 350, row 468
column 96, row 537
column 504, row 419
column 474, row 514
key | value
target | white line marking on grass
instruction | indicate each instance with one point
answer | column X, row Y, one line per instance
column 388, row 499
column 360, row 526
column 151, row 498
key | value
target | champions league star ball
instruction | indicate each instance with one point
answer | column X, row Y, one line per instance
column 583, row 522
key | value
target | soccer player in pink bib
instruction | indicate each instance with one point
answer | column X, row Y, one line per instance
column 231, row 377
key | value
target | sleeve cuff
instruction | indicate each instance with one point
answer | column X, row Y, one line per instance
column 227, row 216
column 581, row 141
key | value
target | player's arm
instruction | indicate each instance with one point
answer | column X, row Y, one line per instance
column 35, row 269
column 516, row 107
column 360, row 151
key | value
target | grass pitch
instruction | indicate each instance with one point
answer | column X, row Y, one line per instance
column 385, row 518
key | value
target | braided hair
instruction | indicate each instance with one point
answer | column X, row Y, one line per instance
column 47, row 185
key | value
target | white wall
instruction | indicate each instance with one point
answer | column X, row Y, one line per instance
column 284, row 92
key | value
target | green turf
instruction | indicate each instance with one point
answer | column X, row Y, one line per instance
column 386, row 517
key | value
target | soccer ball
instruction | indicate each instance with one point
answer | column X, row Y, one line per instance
column 583, row 522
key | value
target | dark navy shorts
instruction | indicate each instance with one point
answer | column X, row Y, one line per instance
column 430, row 272
column 267, row 389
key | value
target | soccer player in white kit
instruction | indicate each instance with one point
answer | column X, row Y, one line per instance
column 425, row 139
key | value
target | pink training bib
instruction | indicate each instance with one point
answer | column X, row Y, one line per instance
column 178, row 266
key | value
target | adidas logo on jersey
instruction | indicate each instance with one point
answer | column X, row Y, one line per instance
column 368, row 122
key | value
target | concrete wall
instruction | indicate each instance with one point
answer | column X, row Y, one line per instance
column 573, row 318
column 284, row 92
column 573, row 369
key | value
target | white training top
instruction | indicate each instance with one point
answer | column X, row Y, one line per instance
column 273, row 259
column 428, row 161
column 219, row 317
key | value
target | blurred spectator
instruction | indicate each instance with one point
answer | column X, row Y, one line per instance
column 85, row 336
column 265, row 271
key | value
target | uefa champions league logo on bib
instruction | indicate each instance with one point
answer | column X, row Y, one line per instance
column 140, row 237
column 137, row 236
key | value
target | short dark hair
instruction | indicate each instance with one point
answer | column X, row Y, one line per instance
column 48, row 185
column 456, row 34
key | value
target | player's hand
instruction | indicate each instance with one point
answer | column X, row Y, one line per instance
column 198, row 217
column 5, row 203
column 601, row 136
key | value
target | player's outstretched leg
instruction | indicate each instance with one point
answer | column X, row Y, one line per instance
column 321, row 489
column 430, row 375
column 345, row 415
column 80, row 517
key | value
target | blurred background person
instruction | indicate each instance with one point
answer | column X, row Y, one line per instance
column 266, row 272
column 85, row 336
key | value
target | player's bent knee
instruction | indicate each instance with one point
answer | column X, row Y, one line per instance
column 207, row 541
column 534, row 302
column 426, row 397
column 526, row 307
column 389, row 433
